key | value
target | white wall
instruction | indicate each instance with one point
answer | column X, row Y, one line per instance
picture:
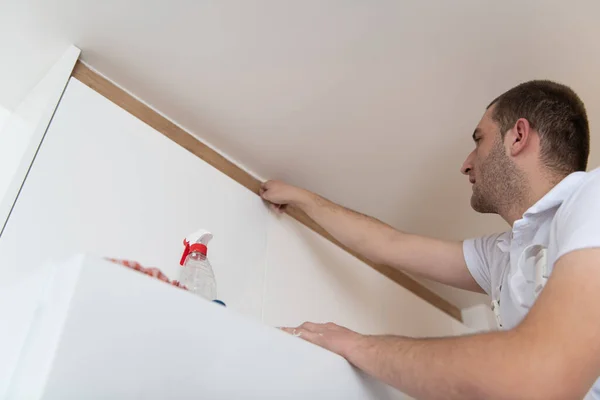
column 106, row 183
column 480, row 318
column 310, row 279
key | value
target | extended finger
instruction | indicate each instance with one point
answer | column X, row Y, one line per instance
column 313, row 327
column 309, row 336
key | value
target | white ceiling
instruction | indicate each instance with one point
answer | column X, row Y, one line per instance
column 370, row 103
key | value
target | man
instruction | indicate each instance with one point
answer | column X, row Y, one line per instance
column 531, row 147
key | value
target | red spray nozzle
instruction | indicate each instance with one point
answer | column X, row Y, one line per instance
column 199, row 247
column 186, row 252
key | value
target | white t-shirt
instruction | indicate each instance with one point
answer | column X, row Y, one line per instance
column 512, row 267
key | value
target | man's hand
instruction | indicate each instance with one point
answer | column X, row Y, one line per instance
column 280, row 194
column 330, row 336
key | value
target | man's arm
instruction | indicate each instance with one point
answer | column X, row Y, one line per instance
column 553, row 354
column 439, row 260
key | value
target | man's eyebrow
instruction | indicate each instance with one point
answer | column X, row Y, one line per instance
column 475, row 132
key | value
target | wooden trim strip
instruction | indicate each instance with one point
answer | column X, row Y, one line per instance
column 141, row 111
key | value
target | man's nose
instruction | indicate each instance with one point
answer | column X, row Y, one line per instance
column 467, row 165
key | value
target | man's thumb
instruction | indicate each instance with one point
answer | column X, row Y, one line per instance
column 265, row 194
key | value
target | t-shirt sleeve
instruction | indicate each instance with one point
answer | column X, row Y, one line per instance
column 479, row 253
column 578, row 220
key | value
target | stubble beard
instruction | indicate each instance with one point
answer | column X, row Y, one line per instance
column 500, row 185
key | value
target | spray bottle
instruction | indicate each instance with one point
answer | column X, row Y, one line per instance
column 197, row 274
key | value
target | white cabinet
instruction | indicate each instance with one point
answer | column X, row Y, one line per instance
column 104, row 331
column 22, row 130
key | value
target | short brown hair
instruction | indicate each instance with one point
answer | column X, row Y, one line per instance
column 559, row 116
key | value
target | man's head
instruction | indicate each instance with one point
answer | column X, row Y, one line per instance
column 538, row 128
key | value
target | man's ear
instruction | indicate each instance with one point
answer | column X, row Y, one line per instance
column 519, row 137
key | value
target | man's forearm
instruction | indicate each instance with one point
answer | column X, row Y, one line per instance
column 481, row 366
column 434, row 259
column 364, row 234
